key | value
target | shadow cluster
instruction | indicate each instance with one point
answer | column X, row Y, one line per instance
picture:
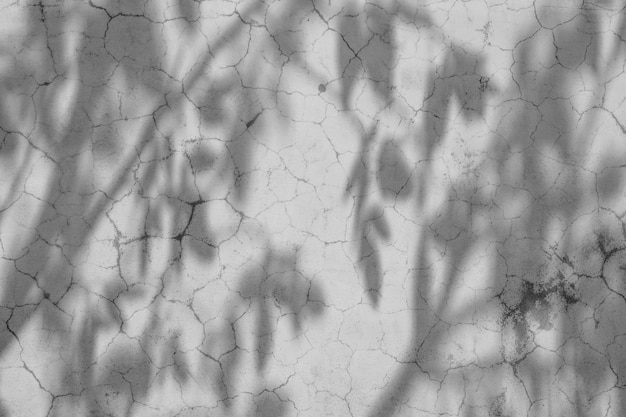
column 103, row 127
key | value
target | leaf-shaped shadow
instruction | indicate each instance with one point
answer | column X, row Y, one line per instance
column 359, row 177
column 269, row 404
column 394, row 174
column 181, row 367
column 264, row 333
column 454, row 230
column 379, row 56
column 366, row 48
column 275, row 290
column 369, row 223
column 350, row 43
column 375, row 230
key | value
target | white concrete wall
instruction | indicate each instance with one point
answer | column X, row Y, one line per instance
column 312, row 208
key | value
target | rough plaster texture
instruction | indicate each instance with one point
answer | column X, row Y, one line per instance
column 312, row 208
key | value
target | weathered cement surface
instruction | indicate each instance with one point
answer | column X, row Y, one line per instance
column 312, row 208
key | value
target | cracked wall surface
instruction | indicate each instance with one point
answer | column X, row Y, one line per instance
column 312, row 208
